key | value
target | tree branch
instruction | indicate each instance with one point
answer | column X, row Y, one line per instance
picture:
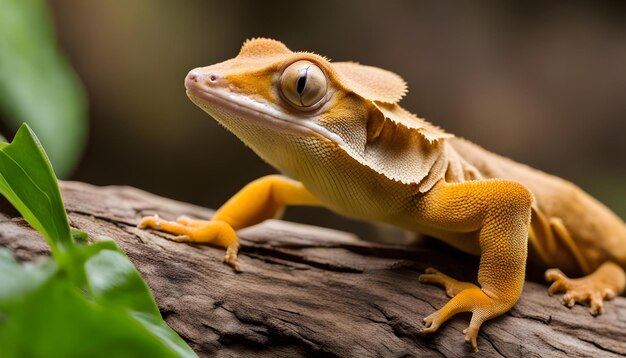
column 312, row 291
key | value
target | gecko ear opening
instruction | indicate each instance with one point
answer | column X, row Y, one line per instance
column 371, row 83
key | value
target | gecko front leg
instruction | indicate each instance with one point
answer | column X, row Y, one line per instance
column 498, row 212
column 262, row 199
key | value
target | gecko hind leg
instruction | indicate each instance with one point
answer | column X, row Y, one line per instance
column 608, row 281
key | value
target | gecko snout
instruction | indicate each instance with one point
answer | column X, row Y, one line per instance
column 199, row 76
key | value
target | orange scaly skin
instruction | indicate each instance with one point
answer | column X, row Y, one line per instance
column 338, row 131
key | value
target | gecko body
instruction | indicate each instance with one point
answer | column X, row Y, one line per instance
column 337, row 132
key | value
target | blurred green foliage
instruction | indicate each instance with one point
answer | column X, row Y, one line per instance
column 37, row 86
column 88, row 299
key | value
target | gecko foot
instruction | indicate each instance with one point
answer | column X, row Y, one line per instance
column 605, row 283
column 466, row 297
column 213, row 232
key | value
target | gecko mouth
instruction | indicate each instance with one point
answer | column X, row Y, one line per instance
column 246, row 107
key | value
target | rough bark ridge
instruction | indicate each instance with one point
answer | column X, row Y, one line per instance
column 312, row 291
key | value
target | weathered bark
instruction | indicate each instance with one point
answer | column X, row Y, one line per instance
column 312, row 291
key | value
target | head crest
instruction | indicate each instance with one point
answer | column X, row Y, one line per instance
column 262, row 47
column 372, row 83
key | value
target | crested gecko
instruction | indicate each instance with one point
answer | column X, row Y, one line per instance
column 337, row 132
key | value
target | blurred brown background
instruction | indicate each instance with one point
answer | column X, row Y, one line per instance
column 542, row 83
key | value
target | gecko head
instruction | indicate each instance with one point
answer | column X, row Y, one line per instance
column 286, row 105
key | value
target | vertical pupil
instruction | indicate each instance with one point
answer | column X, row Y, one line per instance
column 301, row 81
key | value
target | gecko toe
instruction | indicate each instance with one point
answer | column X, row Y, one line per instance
column 592, row 290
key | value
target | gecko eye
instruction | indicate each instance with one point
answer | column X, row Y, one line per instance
column 303, row 84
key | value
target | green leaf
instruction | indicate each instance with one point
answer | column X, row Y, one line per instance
column 115, row 283
column 27, row 181
column 36, row 83
column 54, row 319
column 90, row 300
column 16, row 280
column 113, row 280
column 79, row 236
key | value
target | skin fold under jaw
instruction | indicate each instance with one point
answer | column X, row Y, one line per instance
column 336, row 130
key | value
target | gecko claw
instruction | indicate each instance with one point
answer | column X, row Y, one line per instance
column 182, row 238
column 431, row 324
column 232, row 262
column 231, row 257
column 151, row 221
column 471, row 338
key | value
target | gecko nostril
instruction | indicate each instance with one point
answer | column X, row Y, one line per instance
column 193, row 77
